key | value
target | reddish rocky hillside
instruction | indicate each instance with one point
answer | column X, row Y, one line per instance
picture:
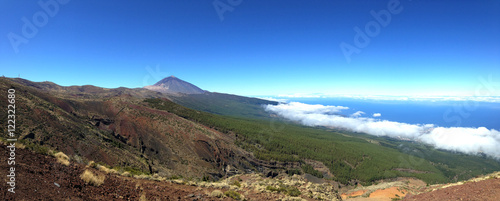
column 115, row 127
column 41, row 177
column 481, row 188
column 52, row 177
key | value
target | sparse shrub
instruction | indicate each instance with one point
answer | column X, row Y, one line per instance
column 143, row 198
column 113, row 171
column 174, row 177
column 131, row 170
column 92, row 164
column 117, row 170
column 92, row 179
column 217, row 193
column 39, row 149
column 272, row 188
column 289, row 190
column 233, row 194
column 156, row 177
column 236, row 183
column 292, row 172
column 293, row 191
column 142, row 176
column 135, row 171
column 20, row 146
column 77, row 159
column 126, row 174
column 104, row 169
column 205, row 178
column 62, row 158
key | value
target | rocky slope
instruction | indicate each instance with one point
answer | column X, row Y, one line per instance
column 481, row 188
column 41, row 177
column 115, row 127
column 45, row 177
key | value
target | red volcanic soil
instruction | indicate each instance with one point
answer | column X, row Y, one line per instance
column 388, row 193
column 41, row 177
column 488, row 189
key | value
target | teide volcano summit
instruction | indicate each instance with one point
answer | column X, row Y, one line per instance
column 175, row 85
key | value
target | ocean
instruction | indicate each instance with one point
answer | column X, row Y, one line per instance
column 440, row 113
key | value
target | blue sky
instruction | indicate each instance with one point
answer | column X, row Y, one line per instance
column 257, row 48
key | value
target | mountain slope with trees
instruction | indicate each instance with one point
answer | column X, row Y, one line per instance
column 146, row 132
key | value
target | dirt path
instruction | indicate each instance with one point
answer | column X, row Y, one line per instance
column 388, row 193
column 384, row 191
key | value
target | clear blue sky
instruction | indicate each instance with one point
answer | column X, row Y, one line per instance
column 258, row 48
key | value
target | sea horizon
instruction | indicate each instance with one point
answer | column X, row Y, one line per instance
column 439, row 112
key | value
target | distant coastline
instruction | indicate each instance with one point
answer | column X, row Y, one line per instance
column 451, row 113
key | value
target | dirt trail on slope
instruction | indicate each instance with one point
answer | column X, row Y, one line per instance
column 384, row 191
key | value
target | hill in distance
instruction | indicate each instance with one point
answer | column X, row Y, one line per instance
column 191, row 96
column 173, row 84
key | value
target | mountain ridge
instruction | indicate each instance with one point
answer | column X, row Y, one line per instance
column 173, row 84
column 90, row 123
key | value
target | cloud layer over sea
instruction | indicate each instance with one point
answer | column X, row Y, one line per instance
column 460, row 139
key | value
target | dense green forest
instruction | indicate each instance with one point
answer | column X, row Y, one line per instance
column 225, row 104
column 349, row 156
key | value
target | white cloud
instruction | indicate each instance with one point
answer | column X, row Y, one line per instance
column 466, row 140
column 274, row 99
column 357, row 114
column 377, row 115
column 306, row 108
